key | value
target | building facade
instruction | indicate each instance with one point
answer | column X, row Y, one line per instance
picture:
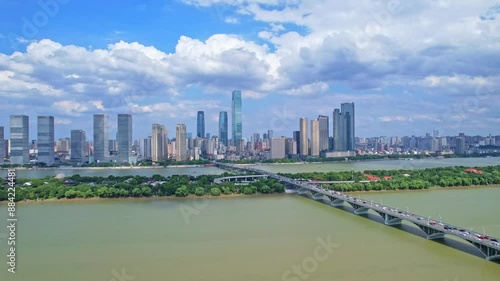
column 223, row 128
column 159, row 143
column 124, row 138
column 200, row 124
column 315, row 138
column 180, row 143
column 101, row 138
column 324, row 132
column 78, row 146
column 19, row 139
column 278, row 150
column 304, row 140
column 45, row 141
column 237, row 122
column 2, row 145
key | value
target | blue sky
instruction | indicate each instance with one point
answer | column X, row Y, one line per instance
column 410, row 68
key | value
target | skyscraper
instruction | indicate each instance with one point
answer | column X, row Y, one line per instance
column 101, row 137
column 223, row 127
column 200, row 128
column 343, row 128
column 2, row 145
column 237, row 119
column 159, row 143
column 180, row 142
column 19, row 139
column 348, row 118
column 45, row 141
column 304, row 141
column 78, row 141
column 296, row 138
column 337, row 131
column 324, row 132
column 278, row 148
column 124, row 138
column 315, row 137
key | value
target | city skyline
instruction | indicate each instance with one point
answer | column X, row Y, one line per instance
column 400, row 75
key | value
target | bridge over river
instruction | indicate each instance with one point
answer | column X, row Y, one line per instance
column 489, row 246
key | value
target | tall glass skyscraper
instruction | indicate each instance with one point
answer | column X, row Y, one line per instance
column 19, row 139
column 159, row 143
column 348, row 118
column 324, row 132
column 223, row 128
column 101, row 137
column 2, row 145
column 343, row 128
column 180, row 143
column 200, row 128
column 124, row 138
column 237, row 119
column 45, row 141
column 78, row 141
column 304, row 140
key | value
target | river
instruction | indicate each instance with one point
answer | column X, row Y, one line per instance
column 255, row 238
column 277, row 168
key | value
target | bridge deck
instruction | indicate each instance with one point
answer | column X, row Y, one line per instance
column 489, row 246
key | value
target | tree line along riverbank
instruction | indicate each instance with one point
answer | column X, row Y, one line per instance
column 404, row 179
column 77, row 186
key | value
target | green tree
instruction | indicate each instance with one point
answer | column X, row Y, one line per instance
column 199, row 191
column 215, row 191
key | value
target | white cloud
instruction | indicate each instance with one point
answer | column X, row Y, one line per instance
column 231, row 20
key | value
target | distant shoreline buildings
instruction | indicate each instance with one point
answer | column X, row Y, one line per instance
column 312, row 140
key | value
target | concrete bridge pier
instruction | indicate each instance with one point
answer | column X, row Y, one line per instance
column 335, row 202
column 302, row 191
column 390, row 220
column 317, row 195
column 431, row 233
column 358, row 209
column 488, row 252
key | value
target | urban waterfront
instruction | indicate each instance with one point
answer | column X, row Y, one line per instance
column 276, row 168
column 247, row 238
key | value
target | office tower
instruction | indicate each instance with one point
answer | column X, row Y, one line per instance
column 460, row 147
column 145, row 148
column 159, row 143
column 124, row 138
column 337, row 131
column 180, row 143
column 78, row 146
column 347, row 110
column 304, row 141
column 315, row 137
column 278, row 148
column 324, row 132
column 2, row 145
column 435, row 133
column 113, row 147
column 19, row 139
column 290, row 146
column 296, row 138
column 270, row 134
column 101, row 137
column 200, row 124
column 237, row 119
column 45, row 142
column 256, row 138
column 223, row 128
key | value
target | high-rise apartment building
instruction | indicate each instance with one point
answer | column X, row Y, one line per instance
column 315, row 137
column 19, row 139
column 324, row 132
column 78, row 146
column 278, row 148
column 200, row 124
column 124, row 138
column 237, row 123
column 2, row 145
column 304, row 141
column 223, row 128
column 296, row 138
column 159, row 143
column 180, row 143
column 45, row 142
column 101, row 138
column 343, row 128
